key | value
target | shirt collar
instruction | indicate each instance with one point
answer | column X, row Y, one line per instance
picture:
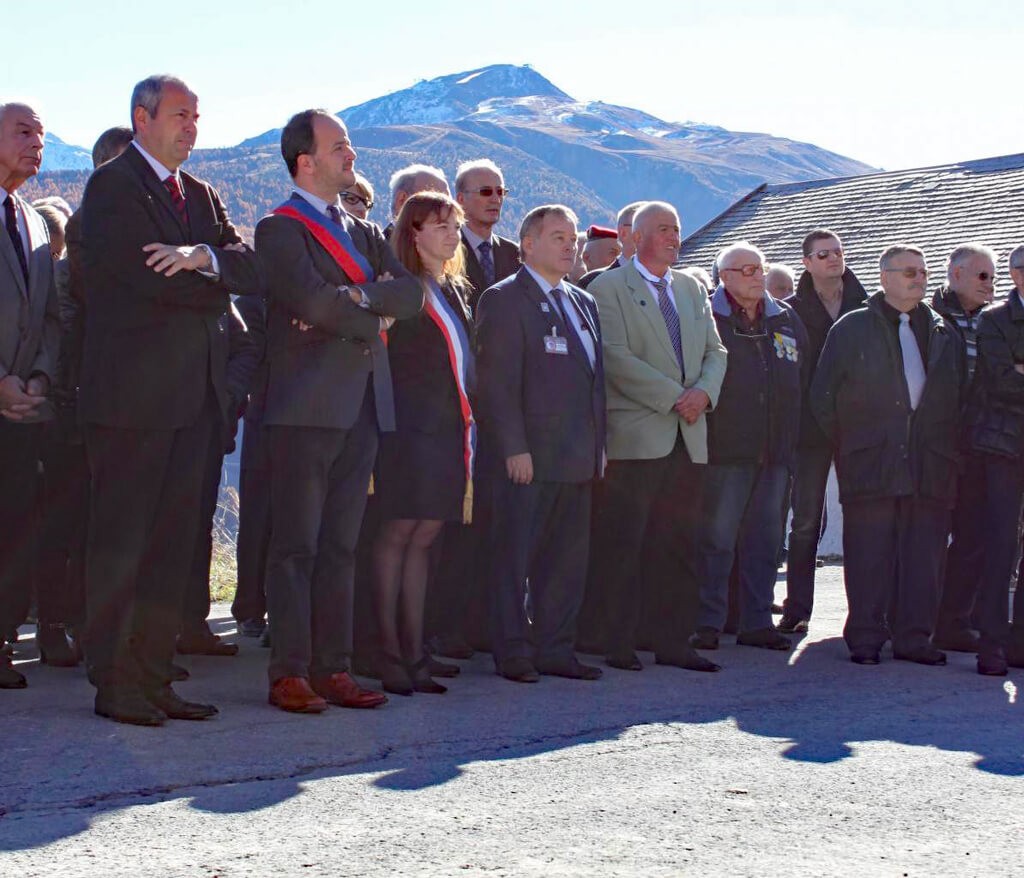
column 4, row 193
column 542, row 282
column 158, row 168
column 318, row 202
column 737, row 307
column 647, row 276
column 475, row 240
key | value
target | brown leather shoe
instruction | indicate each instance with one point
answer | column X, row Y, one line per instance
column 342, row 690
column 294, row 694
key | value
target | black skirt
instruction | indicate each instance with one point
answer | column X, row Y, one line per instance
column 420, row 475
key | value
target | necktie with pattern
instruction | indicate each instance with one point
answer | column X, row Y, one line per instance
column 671, row 318
column 177, row 199
column 334, row 213
column 913, row 365
column 486, row 262
column 11, row 218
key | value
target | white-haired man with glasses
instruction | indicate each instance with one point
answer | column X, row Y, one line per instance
column 887, row 392
column 752, row 437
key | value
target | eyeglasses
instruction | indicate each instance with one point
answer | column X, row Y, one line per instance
column 488, row 191
column 909, row 273
column 353, row 199
column 747, row 270
column 984, row 276
column 824, row 254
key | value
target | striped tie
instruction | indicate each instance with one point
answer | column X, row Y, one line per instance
column 671, row 318
column 177, row 199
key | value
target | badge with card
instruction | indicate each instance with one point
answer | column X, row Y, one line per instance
column 555, row 344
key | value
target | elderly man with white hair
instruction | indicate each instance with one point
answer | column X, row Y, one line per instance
column 752, row 438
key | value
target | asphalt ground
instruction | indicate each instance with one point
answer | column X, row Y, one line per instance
column 782, row 764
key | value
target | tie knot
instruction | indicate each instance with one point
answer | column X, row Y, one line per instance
column 660, row 285
column 485, row 247
column 334, row 213
column 904, row 318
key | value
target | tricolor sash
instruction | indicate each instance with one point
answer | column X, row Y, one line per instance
column 332, row 236
column 460, row 358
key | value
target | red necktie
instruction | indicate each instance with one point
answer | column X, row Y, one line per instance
column 177, row 199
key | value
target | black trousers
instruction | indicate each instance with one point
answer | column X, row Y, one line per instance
column 253, row 526
column 893, row 553
column 60, row 561
column 966, row 558
column 195, row 604
column 318, row 485
column 1002, row 488
column 646, row 533
column 809, row 485
column 19, row 457
column 146, row 488
column 539, row 545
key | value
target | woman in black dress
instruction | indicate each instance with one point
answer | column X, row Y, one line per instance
column 424, row 469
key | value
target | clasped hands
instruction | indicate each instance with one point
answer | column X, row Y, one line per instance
column 691, row 404
column 19, row 399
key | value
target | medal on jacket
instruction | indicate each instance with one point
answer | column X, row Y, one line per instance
column 785, row 347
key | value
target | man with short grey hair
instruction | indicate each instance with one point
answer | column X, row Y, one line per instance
column 779, row 280
column 29, row 337
column 480, row 189
column 887, row 393
column 412, row 179
column 969, row 289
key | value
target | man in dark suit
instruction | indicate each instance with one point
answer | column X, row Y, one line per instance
column 160, row 257
column 333, row 286
column 542, row 412
column 480, row 189
column 29, row 335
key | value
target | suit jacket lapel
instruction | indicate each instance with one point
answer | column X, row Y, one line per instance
column 7, row 246
column 157, row 190
column 540, row 301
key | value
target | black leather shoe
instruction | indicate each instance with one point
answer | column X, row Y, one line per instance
column 204, row 643
column 518, row 670
column 865, row 657
column 10, row 678
column 176, row 707
column 626, row 662
column 128, row 706
column 956, row 641
column 705, row 638
column 443, row 669
column 54, row 648
column 792, row 625
column 764, row 638
column 689, row 661
column 925, row 655
column 178, row 674
column 992, row 664
column 571, row 668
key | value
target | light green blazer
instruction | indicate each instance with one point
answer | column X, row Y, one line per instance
column 642, row 375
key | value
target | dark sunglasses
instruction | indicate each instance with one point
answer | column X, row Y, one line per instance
column 353, row 199
column 824, row 254
column 910, row 273
column 747, row 270
column 488, row 191
column 984, row 276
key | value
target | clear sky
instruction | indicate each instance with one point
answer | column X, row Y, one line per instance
column 894, row 84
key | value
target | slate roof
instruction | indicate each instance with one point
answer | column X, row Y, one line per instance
column 935, row 208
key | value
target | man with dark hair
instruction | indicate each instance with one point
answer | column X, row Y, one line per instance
column 969, row 289
column 29, row 334
column 480, row 189
column 333, row 286
column 160, row 257
column 542, row 415
column 826, row 291
column 887, row 394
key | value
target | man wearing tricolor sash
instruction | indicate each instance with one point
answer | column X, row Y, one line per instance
column 333, row 287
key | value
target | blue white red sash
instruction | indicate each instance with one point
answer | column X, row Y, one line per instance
column 331, row 236
column 460, row 358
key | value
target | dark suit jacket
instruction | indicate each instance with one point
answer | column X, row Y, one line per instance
column 29, row 317
column 549, row 405
column 506, row 262
column 241, row 361
column 590, row 276
column 317, row 378
column 151, row 341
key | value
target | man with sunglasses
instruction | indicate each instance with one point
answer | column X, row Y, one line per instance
column 480, row 189
column 887, row 392
column 969, row 290
column 826, row 291
column 752, row 436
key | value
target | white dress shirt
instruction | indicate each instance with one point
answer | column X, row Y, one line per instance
column 650, row 278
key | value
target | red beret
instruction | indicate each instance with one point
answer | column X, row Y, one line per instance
column 595, row 232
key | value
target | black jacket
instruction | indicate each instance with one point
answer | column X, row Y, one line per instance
column 860, row 398
column 817, row 321
column 995, row 412
column 506, row 262
column 757, row 417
